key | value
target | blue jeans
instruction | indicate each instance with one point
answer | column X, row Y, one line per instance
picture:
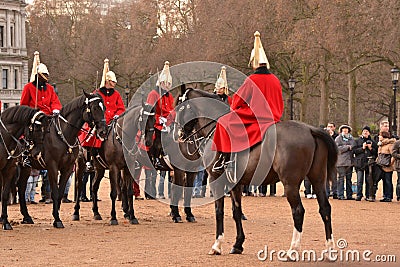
column 388, row 185
column 361, row 176
column 345, row 172
column 198, row 183
column 68, row 185
column 31, row 188
column 161, row 183
column 150, row 183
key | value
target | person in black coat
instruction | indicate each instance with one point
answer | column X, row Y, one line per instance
column 364, row 150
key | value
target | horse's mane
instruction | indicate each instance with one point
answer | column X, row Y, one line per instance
column 203, row 93
column 20, row 114
column 77, row 102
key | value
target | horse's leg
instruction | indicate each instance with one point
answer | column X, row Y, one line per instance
column 99, row 174
column 325, row 212
column 124, row 195
column 176, row 194
column 80, row 165
column 218, row 190
column 236, row 197
column 23, row 178
column 52, row 173
column 128, row 184
column 114, row 172
column 293, row 197
column 6, row 184
column 190, row 176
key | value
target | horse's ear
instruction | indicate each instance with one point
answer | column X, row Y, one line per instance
column 86, row 94
column 183, row 89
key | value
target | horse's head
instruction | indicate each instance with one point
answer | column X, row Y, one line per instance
column 36, row 133
column 147, row 120
column 94, row 113
column 197, row 112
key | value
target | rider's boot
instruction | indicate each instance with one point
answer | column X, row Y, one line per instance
column 25, row 160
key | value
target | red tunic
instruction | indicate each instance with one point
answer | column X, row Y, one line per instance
column 47, row 100
column 164, row 107
column 114, row 106
column 257, row 105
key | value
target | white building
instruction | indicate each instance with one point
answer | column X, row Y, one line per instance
column 13, row 52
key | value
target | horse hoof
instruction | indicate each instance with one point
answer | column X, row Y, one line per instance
column 113, row 222
column 191, row 219
column 236, row 251
column 58, row 225
column 27, row 221
column 75, row 217
column 97, row 217
column 7, row 226
column 134, row 221
column 177, row 219
column 214, row 252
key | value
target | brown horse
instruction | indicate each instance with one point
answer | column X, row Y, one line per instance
column 111, row 156
column 16, row 122
column 289, row 152
column 62, row 146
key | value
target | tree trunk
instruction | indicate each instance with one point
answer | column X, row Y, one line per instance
column 352, row 86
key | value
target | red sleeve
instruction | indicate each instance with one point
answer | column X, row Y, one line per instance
column 55, row 102
column 242, row 96
column 120, row 106
column 153, row 97
column 25, row 97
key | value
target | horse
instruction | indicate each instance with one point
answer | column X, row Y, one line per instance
column 18, row 121
column 111, row 157
column 62, row 146
column 185, row 161
column 296, row 151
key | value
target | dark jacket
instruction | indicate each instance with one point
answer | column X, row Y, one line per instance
column 361, row 155
column 396, row 155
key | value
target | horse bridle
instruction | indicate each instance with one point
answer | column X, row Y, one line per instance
column 90, row 121
column 191, row 139
column 29, row 143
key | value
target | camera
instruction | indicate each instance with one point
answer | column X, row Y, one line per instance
column 369, row 142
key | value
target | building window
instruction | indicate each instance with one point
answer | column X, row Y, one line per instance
column 15, row 79
column 5, row 79
column 2, row 36
column 5, row 105
column 12, row 36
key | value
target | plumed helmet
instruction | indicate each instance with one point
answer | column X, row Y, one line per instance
column 165, row 75
column 110, row 76
column 106, row 69
column 258, row 55
column 222, row 82
column 42, row 69
column 36, row 62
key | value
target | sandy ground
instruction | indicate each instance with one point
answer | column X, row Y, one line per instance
column 156, row 241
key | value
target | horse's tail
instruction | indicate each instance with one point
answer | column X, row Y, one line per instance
column 332, row 150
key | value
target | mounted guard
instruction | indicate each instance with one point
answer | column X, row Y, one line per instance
column 162, row 99
column 257, row 104
column 221, row 87
column 114, row 106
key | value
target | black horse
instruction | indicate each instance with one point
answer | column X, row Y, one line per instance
column 61, row 145
column 21, row 132
column 111, row 156
column 289, row 152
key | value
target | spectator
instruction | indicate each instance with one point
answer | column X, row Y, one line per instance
column 31, row 186
column 396, row 156
column 345, row 143
column 364, row 149
column 198, row 184
column 385, row 146
column 161, row 183
column 308, row 192
column 67, row 186
column 332, row 187
column 88, row 176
